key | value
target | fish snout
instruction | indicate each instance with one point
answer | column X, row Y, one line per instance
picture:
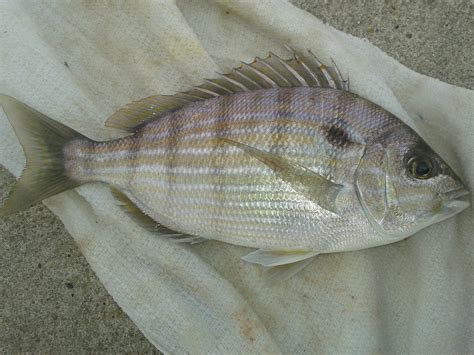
column 455, row 194
column 456, row 200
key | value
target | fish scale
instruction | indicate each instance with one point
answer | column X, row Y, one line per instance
column 193, row 187
column 277, row 155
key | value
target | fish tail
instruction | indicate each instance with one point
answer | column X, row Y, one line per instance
column 43, row 140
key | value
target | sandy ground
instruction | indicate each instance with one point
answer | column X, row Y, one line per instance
column 50, row 298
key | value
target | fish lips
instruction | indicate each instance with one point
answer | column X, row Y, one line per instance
column 455, row 194
column 455, row 201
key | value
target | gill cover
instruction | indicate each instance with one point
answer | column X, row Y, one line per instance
column 376, row 192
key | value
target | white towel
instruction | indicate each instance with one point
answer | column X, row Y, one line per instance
column 79, row 61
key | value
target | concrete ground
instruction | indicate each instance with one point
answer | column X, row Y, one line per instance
column 50, row 298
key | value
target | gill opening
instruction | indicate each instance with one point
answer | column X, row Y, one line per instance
column 376, row 225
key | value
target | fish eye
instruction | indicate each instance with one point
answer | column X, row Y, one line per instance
column 421, row 167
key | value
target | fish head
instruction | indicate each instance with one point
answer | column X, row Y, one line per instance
column 404, row 186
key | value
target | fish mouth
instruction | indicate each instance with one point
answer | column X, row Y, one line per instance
column 455, row 194
column 455, row 201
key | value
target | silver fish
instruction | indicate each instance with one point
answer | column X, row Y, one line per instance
column 277, row 155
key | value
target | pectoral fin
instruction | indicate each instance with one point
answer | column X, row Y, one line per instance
column 269, row 258
column 310, row 184
column 281, row 264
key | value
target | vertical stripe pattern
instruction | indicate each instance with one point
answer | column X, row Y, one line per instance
column 180, row 173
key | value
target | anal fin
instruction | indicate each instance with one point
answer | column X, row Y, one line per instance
column 133, row 211
column 191, row 239
column 281, row 264
column 149, row 223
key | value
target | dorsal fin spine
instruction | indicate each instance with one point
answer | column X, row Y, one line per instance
column 344, row 83
column 262, row 75
column 323, row 69
column 292, row 71
column 235, row 82
column 191, row 96
column 271, row 72
column 309, row 71
column 238, row 72
column 217, row 85
column 210, row 92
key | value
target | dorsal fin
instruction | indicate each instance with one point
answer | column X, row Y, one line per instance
column 137, row 112
column 302, row 69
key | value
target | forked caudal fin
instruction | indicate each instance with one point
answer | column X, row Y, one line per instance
column 42, row 140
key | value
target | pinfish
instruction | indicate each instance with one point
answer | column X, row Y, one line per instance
column 277, row 155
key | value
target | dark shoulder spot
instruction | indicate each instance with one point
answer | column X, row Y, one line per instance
column 337, row 135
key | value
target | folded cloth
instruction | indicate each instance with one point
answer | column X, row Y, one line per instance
column 79, row 61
